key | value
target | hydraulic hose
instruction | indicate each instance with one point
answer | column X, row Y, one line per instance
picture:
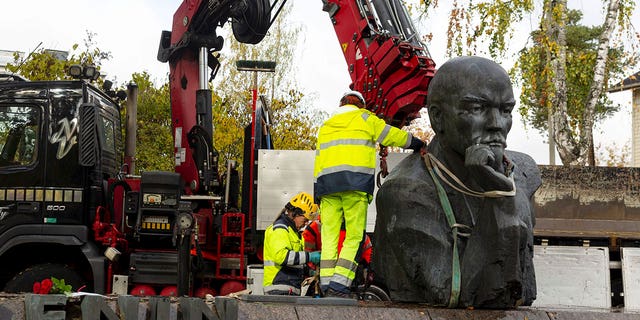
column 252, row 25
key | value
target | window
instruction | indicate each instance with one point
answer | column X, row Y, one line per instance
column 109, row 136
column 18, row 135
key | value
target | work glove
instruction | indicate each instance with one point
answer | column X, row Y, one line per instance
column 416, row 144
column 314, row 257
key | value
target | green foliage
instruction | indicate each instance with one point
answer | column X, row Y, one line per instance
column 294, row 126
column 474, row 23
column 533, row 73
column 292, row 123
column 43, row 65
column 228, row 134
column 59, row 286
column 614, row 154
column 154, row 143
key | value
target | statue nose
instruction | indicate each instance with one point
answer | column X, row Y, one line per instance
column 495, row 120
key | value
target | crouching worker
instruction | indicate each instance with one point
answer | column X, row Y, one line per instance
column 284, row 255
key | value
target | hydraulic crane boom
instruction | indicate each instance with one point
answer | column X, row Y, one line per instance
column 188, row 49
column 386, row 60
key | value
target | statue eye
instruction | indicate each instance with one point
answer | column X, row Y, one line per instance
column 476, row 108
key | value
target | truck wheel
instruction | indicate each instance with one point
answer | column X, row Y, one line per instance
column 374, row 293
column 23, row 281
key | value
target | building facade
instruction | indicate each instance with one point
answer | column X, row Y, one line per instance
column 633, row 83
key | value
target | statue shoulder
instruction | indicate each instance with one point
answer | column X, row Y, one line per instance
column 408, row 181
column 411, row 167
column 526, row 170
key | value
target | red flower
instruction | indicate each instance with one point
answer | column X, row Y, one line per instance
column 36, row 287
column 46, row 286
column 43, row 287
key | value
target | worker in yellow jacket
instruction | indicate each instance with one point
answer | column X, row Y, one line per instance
column 284, row 255
column 344, row 174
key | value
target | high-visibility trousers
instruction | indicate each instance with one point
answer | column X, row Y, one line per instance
column 338, row 272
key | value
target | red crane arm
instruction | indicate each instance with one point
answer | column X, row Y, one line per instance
column 386, row 60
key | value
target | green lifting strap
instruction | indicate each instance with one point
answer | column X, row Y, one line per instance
column 451, row 219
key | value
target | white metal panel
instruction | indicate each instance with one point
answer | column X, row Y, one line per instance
column 283, row 173
column 572, row 276
column 255, row 277
column 120, row 284
column 631, row 278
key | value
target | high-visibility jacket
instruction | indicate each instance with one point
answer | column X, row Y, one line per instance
column 313, row 241
column 284, row 257
column 346, row 150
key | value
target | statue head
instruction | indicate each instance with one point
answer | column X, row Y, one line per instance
column 470, row 102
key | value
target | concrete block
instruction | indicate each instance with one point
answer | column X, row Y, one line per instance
column 590, row 315
column 227, row 308
column 12, row 308
column 160, row 308
column 461, row 314
column 35, row 306
column 276, row 311
column 196, row 309
column 350, row 312
column 96, row 308
column 129, row 307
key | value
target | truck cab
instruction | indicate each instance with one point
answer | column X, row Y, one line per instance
column 59, row 144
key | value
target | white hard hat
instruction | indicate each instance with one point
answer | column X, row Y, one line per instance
column 355, row 94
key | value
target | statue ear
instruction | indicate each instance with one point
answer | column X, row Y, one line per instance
column 435, row 117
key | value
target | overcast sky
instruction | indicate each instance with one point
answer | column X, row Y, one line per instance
column 130, row 30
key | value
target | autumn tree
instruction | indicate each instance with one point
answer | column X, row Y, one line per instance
column 294, row 126
column 43, row 64
column 614, row 154
column 492, row 23
column 154, row 143
column 534, row 65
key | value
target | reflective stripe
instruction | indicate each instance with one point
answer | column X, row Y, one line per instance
column 282, row 287
column 295, row 258
column 345, row 167
column 345, row 272
column 365, row 116
column 280, row 226
column 351, row 266
column 324, row 281
column 384, row 133
column 303, row 257
column 347, row 142
column 291, row 258
column 327, row 264
column 342, row 280
column 408, row 143
column 273, row 264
